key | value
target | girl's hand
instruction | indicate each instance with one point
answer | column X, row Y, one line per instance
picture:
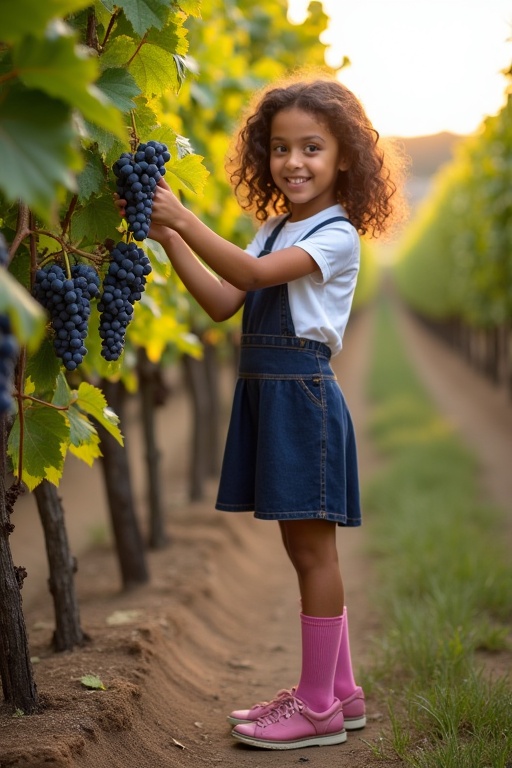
column 167, row 208
column 157, row 232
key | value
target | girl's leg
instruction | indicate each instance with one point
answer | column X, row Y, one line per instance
column 311, row 546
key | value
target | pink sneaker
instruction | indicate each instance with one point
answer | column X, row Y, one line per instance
column 354, row 709
column 292, row 725
column 242, row 716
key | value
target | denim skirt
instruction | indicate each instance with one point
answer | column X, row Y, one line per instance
column 290, row 451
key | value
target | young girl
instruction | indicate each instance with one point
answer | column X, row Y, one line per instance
column 309, row 165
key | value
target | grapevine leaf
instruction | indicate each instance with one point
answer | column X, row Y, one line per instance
column 63, row 396
column 43, row 367
column 187, row 173
column 84, row 439
column 173, row 38
column 91, row 400
column 26, row 17
column 27, row 317
column 38, row 156
column 91, row 179
column 92, row 681
column 45, row 432
column 96, row 221
column 120, row 87
column 143, row 14
column 191, row 7
column 64, row 71
column 154, row 70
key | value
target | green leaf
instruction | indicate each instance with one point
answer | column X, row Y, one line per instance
column 38, row 155
column 191, row 7
column 91, row 681
column 96, row 221
column 85, row 441
column 28, row 319
column 187, row 173
column 31, row 17
column 154, row 70
column 45, row 432
column 91, row 400
column 43, row 367
column 92, row 178
column 119, row 87
column 144, row 14
column 65, row 71
column 62, row 396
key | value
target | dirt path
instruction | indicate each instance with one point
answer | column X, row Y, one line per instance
column 218, row 627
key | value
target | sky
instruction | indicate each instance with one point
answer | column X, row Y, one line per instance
column 420, row 66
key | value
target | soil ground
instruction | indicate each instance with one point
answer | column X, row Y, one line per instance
column 217, row 627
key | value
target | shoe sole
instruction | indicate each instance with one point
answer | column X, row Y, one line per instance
column 355, row 724
column 313, row 741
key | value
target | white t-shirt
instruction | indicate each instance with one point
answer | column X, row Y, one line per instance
column 320, row 302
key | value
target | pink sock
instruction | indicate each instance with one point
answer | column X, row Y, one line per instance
column 320, row 646
column 344, row 683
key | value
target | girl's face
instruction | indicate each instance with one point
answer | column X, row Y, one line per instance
column 304, row 162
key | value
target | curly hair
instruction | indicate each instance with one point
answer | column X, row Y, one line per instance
column 370, row 189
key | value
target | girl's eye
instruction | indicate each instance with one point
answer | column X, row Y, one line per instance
column 311, row 148
column 279, row 149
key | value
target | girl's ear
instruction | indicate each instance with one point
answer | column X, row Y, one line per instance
column 343, row 164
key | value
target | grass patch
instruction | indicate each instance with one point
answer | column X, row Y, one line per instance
column 446, row 594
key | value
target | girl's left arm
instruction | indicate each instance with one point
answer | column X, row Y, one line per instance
column 228, row 260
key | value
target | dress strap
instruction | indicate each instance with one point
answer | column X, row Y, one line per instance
column 269, row 242
column 324, row 224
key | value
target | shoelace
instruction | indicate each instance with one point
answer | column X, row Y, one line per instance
column 285, row 708
column 284, row 693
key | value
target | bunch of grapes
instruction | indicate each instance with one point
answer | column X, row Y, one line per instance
column 8, row 345
column 68, row 301
column 123, row 285
column 137, row 176
column 8, row 356
column 4, row 252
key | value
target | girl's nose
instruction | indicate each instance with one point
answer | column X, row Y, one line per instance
column 294, row 160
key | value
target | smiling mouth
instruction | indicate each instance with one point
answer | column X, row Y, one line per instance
column 296, row 181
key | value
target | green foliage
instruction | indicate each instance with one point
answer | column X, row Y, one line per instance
column 456, row 260
column 368, row 278
column 445, row 578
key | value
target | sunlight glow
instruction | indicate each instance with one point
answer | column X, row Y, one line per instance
column 420, row 66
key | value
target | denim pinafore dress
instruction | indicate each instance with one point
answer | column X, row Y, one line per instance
column 290, row 450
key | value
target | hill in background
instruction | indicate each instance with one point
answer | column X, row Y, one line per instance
column 428, row 154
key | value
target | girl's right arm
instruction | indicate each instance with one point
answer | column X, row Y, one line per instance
column 217, row 297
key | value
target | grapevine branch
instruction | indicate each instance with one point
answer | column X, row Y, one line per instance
column 22, row 228
column 66, row 246
column 143, row 40
column 43, row 402
column 69, row 213
column 110, row 27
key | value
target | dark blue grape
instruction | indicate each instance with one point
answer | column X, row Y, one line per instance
column 4, row 252
column 137, row 176
column 68, row 302
column 123, row 285
column 8, row 356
